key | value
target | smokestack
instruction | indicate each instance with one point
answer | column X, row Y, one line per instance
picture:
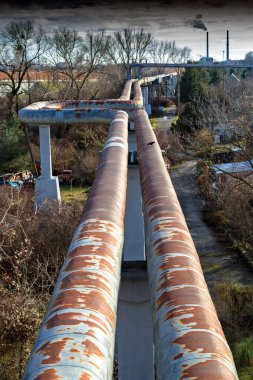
column 207, row 45
column 227, row 45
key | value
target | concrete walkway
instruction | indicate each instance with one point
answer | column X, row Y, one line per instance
column 219, row 262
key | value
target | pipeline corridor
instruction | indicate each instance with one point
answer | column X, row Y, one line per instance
column 76, row 338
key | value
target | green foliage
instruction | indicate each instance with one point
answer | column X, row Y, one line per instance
column 234, row 304
column 192, row 82
column 13, row 149
column 188, row 119
column 216, row 75
column 246, row 373
column 243, row 353
column 87, row 137
column 249, row 57
column 74, row 194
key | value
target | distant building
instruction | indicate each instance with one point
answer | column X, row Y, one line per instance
column 237, row 168
column 206, row 60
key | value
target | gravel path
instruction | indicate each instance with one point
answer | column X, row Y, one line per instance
column 218, row 260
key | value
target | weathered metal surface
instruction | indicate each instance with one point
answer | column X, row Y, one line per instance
column 66, row 116
column 76, row 339
column 126, row 92
column 189, row 341
column 83, row 111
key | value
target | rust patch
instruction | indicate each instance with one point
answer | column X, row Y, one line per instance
column 74, row 351
column 83, row 262
column 82, row 279
column 91, row 349
column 48, row 374
column 209, row 370
column 52, row 350
column 94, row 300
column 63, row 319
column 204, row 342
column 85, row 376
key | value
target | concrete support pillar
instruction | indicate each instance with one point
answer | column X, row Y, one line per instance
column 147, row 106
column 134, row 337
column 46, row 186
column 45, row 152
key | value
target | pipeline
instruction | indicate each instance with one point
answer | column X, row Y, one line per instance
column 83, row 111
column 188, row 338
column 126, row 92
column 68, row 116
column 76, row 339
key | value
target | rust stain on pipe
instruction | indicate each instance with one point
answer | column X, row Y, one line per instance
column 83, row 111
column 189, row 341
column 76, row 339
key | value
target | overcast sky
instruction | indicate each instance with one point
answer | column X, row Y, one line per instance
column 171, row 20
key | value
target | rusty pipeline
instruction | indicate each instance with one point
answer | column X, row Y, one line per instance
column 83, row 111
column 126, row 92
column 188, row 338
column 76, row 339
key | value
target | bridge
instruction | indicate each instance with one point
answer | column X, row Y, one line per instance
column 132, row 277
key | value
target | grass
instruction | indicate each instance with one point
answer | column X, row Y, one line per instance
column 234, row 306
column 153, row 122
column 212, row 268
column 76, row 194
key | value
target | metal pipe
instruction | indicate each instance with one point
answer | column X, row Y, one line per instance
column 83, row 111
column 76, row 339
column 68, row 116
column 126, row 92
column 188, row 338
column 174, row 65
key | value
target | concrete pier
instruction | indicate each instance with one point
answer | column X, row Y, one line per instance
column 46, row 186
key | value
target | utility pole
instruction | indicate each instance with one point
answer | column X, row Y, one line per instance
column 178, row 91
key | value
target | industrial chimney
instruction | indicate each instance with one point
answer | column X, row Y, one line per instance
column 227, row 46
column 207, row 45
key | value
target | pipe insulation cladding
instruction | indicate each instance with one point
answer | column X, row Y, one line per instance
column 76, row 339
column 188, row 338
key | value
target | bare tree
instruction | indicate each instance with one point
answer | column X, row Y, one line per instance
column 76, row 57
column 21, row 46
column 228, row 114
column 128, row 46
column 168, row 52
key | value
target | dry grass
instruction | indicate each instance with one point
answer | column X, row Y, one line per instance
column 230, row 205
column 32, row 250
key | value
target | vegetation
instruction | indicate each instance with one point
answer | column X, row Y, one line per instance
column 71, row 194
column 234, row 305
column 90, row 66
column 14, row 155
column 29, row 266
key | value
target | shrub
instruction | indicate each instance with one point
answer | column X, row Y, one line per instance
column 32, row 249
column 234, row 304
column 243, row 353
column 20, row 318
column 33, row 245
